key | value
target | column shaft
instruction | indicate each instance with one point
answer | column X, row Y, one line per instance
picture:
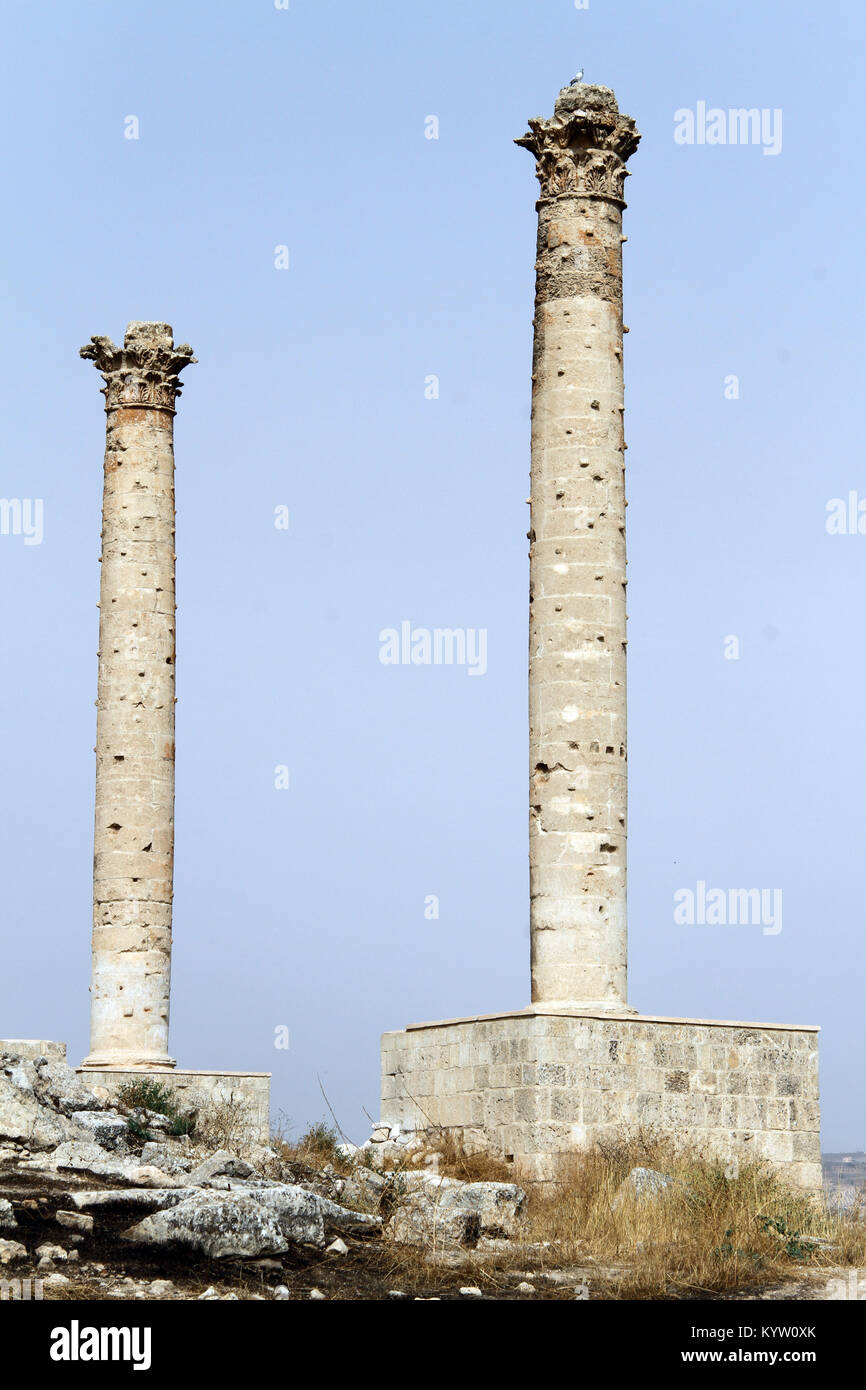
column 577, row 631
column 134, row 821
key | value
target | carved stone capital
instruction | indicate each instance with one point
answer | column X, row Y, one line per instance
column 145, row 372
column 582, row 148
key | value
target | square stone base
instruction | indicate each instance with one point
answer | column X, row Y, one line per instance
column 536, row 1085
column 249, row 1090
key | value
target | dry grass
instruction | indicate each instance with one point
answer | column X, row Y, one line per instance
column 445, row 1151
column 708, row 1233
column 224, row 1125
column 315, row 1148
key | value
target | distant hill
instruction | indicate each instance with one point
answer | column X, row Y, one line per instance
column 844, row 1170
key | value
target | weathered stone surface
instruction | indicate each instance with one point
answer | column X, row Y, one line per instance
column 58, row 1084
column 11, row 1250
column 33, row 1049
column 104, row 1126
column 339, row 1218
column 23, row 1119
column 364, row 1188
column 231, row 1226
column 80, row 1157
column 75, row 1221
column 152, row 1198
column 168, row 1157
column 220, row 1164
column 248, row 1221
column 642, row 1184
column 7, row 1215
column 444, row 1211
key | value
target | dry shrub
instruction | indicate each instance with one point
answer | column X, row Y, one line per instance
column 224, row 1124
column 707, row 1233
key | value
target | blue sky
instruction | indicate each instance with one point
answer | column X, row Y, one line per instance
column 304, row 128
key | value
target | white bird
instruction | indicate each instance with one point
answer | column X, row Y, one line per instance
column 578, row 78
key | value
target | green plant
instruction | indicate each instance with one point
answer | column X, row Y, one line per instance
column 320, row 1139
column 146, row 1094
column 795, row 1247
column 135, row 1127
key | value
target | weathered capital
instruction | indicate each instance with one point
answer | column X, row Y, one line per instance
column 582, row 148
column 144, row 373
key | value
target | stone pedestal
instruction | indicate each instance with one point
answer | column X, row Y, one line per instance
column 247, row 1092
column 537, row 1086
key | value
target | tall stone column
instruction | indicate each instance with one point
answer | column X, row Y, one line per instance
column 577, row 627
column 134, row 827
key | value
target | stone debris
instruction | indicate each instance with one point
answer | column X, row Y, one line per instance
column 642, row 1184
column 434, row 1210
column 75, row 1221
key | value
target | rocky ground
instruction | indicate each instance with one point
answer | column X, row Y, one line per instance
column 104, row 1201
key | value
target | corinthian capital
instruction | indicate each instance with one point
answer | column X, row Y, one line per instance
column 582, row 148
column 145, row 372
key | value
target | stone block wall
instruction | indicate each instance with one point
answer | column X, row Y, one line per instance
column 250, row 1091
column 535, row 1086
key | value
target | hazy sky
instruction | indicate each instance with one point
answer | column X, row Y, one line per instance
column 410, row 257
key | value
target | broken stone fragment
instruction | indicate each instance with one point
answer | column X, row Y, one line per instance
column 642, row 1184
column 450, row 1212
column 75, row 1221
column 104, row 1126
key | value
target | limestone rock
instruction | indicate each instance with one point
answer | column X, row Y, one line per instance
column 152, row 1198
column 58, row 1085
column 91, row 1158
column 12, row 1250
column 75, row 1221
column 23, row 1119
column 104, row 1125
column 231, row 1226
column 7, row 1216
column 168, row 1157
column 246, row 1221
column 444, row 1211
column 643, row 1184
column 364, row 1188
column 51, row 1252
column 220, row 1164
